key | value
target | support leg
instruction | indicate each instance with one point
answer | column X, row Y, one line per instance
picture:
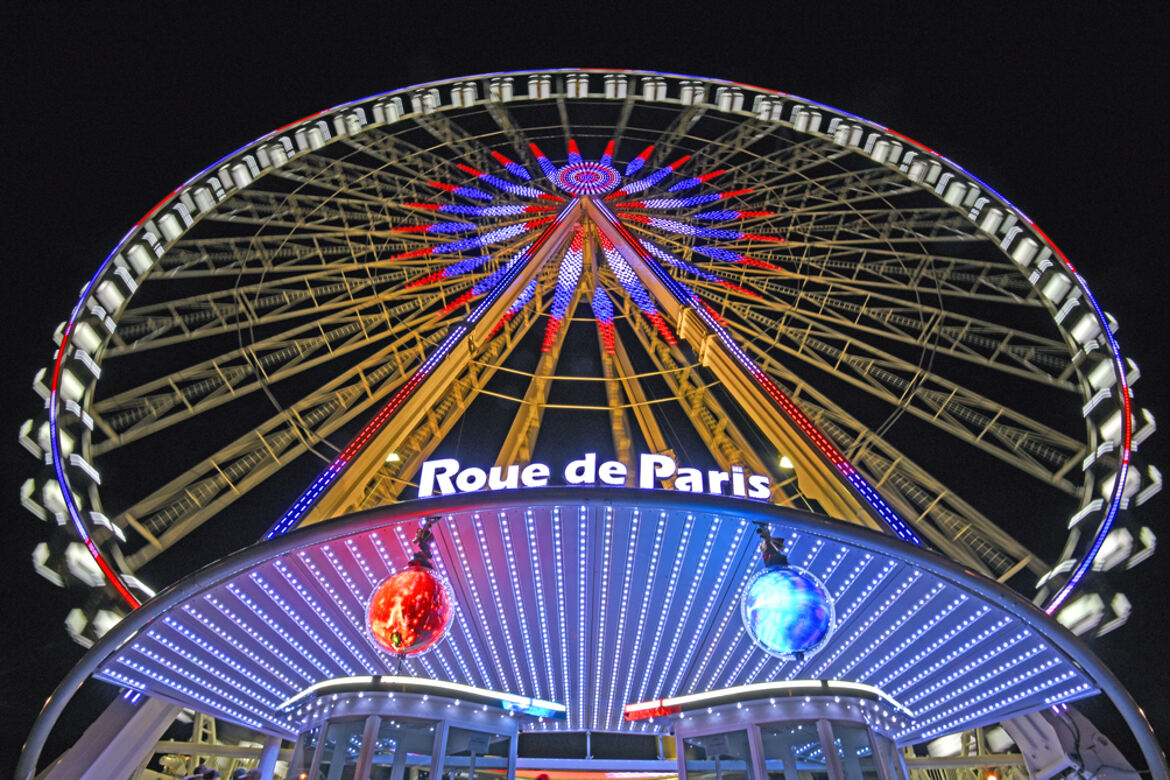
column 119, row 740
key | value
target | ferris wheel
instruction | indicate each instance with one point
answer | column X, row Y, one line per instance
column 488, row 267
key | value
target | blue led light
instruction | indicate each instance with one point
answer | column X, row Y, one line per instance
column 484, row 211
column 786, row 611
column 674, row 203
column 635, row 165
column 494, row 236
column 450, row 227
column 649, row 181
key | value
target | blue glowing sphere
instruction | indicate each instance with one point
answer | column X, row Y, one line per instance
column 786, row 611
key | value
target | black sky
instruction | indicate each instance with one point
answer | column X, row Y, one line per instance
column 108, row 107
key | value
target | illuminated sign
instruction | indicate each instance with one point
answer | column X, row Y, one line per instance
column 446, row 476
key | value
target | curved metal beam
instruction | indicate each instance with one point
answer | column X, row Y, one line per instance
column 342, row 527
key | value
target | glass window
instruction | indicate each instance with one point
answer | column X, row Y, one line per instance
column 719, row 757
column 304, row 754
column 340, row 749
column 792, row 752
column 856, row 752
column 414, row 738
column 472, row 754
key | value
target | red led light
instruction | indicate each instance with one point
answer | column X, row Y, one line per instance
column 651, row 712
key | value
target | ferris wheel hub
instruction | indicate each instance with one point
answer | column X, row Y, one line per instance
column 587, row 178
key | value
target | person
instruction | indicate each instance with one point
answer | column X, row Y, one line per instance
column 238, row 773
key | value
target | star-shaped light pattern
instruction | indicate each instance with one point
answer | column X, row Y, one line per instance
column 519, row 203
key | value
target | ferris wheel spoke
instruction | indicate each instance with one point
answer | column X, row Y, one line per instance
column 172, row 511
column 926, row 224
column 910, row 322
column 800, row 158
column 833, row 188
column 733, row 144
column 725, row 441
column 407, row 165
column 396, row 156
column 270, row 256
column 676, row 132
column 952, row 523
column 307, row 212
column 623, row 121
column 510, row 129
column 386, row 484
column 165, row 401
column 310, row 209
column 873, row 263
column 214, row 314
column 878, row 267
column 520, row 441
column 377, row 184
column 1027, row 444
column 450, row 135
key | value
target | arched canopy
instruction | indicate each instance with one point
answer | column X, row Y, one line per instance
column 594, row 598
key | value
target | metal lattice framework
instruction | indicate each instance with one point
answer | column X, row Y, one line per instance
column 667, row 264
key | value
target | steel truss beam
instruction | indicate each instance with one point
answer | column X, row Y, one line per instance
column 1011, row 436
column 817, row 478
column 434, row 387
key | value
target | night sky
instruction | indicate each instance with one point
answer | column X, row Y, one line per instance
column 107, row 110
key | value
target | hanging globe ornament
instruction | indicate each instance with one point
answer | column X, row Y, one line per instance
column 409, row 611
column 786, row 610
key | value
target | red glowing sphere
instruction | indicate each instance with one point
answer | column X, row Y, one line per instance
column 410, row 611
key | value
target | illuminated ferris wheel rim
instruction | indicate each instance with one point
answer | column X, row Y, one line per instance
column 144, row 243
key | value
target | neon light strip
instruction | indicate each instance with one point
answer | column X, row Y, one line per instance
column 633, row 286
column 454, row 269
column 682, row 228
column 541, row 614
column 694, row 181
column 546, row 167
column 456, row 336
column 671, row 587
column 524, row 703
column 464, row 192
column 680, row 623
column 635, row 165
column 511, row 166
column 507, row 186
column 568, row 275
column 692, row 200
column 758, row 691
column 727, row 256
column 436, row 227
column 480, row 211
column 491, row 237
column 623, row 607
column 649, row 181
column 607, row 157
column 723, row 216
column 603, row 313
column 521, row 301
